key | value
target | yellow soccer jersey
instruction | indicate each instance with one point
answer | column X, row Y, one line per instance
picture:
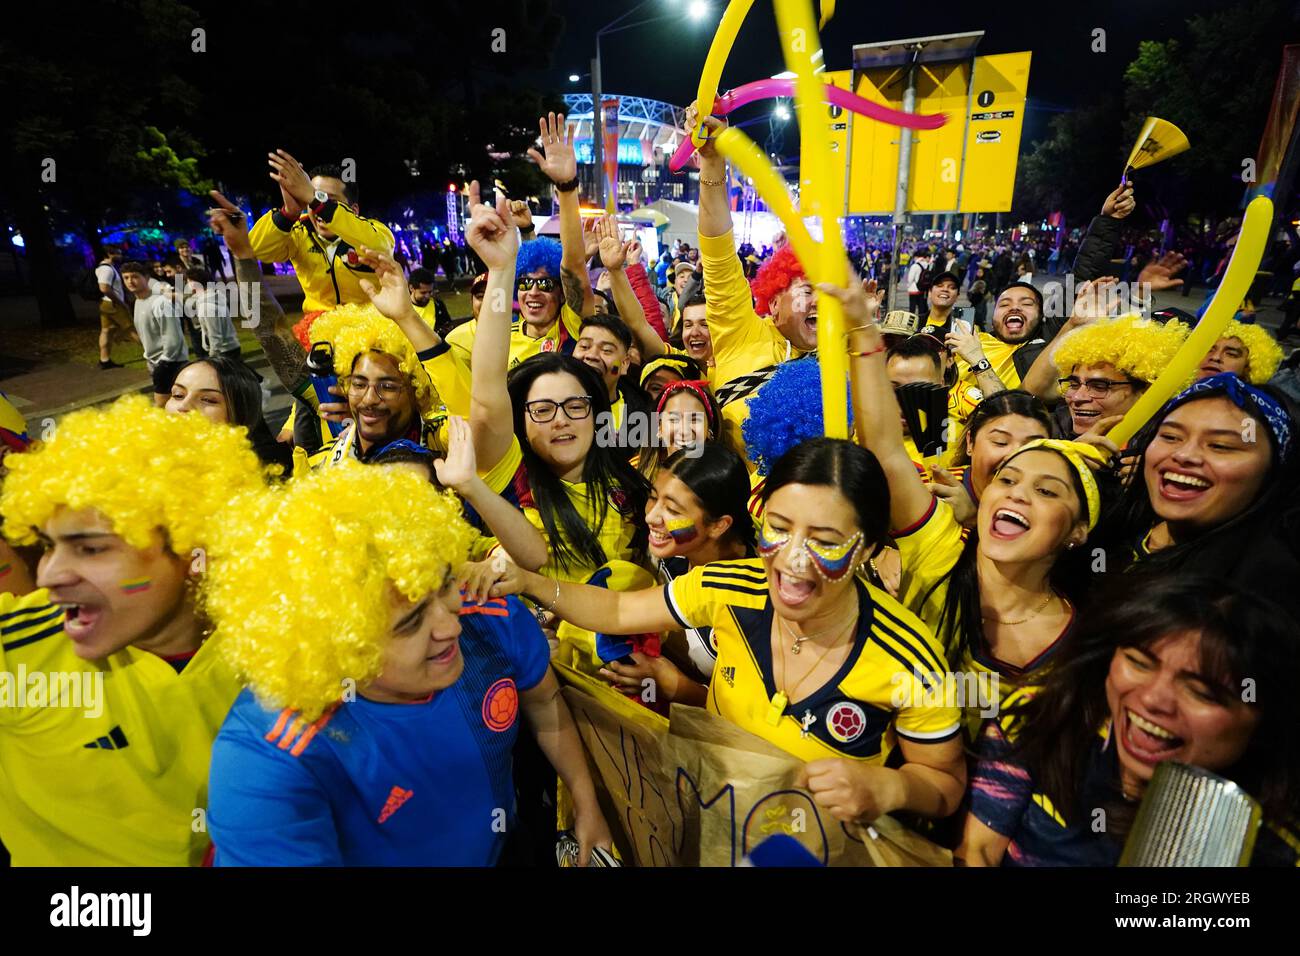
column 557, row 339
column 102, row 763
column 890, row 685
column 929, row 551
column 966, row 394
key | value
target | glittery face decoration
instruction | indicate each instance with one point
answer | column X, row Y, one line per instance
column 771, row 541
column 682, row 530
column 836, row 561
column 831, row 562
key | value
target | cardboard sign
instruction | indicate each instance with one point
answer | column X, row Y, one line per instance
column 700, row 791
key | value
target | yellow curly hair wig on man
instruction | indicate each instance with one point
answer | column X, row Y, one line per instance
column 140, row 467
column 300, row 584
column 1265, row 353
column 354, row 329
column 1136, row 346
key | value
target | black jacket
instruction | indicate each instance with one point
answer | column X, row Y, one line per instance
column 1097, row 249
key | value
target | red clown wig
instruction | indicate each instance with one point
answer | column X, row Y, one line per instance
column 775, row 276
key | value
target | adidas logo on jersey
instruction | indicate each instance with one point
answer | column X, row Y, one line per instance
column 729, row 675
column 396, row 797
column 113, row 740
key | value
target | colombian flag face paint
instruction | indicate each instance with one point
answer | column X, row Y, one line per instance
column 771, row 541
column 682, row 530
column 5, row 569
column 136, row 586
column 835, row 562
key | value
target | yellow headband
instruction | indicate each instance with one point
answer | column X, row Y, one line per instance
column 1076, row 453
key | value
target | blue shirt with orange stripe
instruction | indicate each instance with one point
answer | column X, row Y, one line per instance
column 372, row 784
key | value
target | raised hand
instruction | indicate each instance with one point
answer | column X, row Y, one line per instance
column 1120, row 202
column 388, row 290
column 861, row 301
column 613, row 253
column 633, row 252
column 1094, row 300
column 559, row 163
column 228, row 222
column 292, row 179
column 490, row 232
column 1159, row 273
column 459, row 467
column 712, row 127
column 590, row 237
column 520, row 215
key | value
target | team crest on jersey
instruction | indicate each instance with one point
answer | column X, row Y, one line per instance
column 501, row 705
column 846, row 721
column 548, row 345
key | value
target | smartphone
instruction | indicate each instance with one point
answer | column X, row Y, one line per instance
column 236, row 217
column 964, row 324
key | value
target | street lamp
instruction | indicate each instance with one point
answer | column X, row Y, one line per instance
column 698, row 10
column 573, row 77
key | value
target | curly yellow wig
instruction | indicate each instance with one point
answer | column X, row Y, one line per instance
column 354, row 329
column 1136, row 346
column 300, row 584
column 1265, row 353
column 140, row 467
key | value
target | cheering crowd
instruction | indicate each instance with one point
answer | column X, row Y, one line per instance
column 345, row 647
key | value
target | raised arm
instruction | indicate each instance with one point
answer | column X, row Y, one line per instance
column 260, row 308
column 459, row 472
column 561, row 165
column 877, row 418
column 645, row 293
column 715, row 205
column 1091, row 302
column 968, row 346
column 613, row 255
column 346, row 224
column 491, row 418
column 593, row 608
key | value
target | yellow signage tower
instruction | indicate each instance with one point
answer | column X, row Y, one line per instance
column 966, row 166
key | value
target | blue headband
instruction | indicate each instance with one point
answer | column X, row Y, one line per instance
column 1245, row 397
column 403, row 443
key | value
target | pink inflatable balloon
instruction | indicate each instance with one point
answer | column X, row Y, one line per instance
column 766, row 89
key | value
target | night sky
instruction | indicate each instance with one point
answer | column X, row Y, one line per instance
column 662, row 60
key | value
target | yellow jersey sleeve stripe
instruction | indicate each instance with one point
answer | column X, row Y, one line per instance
column 910, row 638
column 741, row 576
column 10, row 623
column 925, row 675
column 918, row 524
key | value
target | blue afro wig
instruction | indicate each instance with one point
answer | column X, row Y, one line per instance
column 540, row 253
column 786, row 411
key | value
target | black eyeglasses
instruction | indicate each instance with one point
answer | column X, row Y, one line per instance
column 544, row 410
column 1099, row 387
column 540, row 283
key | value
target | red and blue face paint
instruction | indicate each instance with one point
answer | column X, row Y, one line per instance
column 831, row 562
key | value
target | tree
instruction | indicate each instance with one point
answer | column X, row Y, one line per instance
column 1075, row 166
column 1215, row 85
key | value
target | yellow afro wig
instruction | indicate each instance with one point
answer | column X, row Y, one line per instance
column 1265, row 353
column 140, row 467
column 300, row 585
column 354, row 329
column 1136, row 346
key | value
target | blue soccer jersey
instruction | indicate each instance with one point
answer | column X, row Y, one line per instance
column 373, row 784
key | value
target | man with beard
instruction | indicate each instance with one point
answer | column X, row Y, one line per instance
column 746, row 346
column 1009, row 351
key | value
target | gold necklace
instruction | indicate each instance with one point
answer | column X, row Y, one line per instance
column 781, row 699
column 797, row 644
column 1038, row 610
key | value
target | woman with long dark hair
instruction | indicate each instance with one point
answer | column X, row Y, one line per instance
column 686, row 415
column 810, row 657
column 1214, row 488
column 999, row 600
column 1000, row 425
column 696, row 515
column 1185, row 669
column 225, row 390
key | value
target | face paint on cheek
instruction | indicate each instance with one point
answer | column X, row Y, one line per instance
column 5, row 569
column 837, row 562
column 136, row 586
column 682, row 530
column 770, row 541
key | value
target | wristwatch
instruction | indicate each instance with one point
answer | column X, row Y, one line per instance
column 319, row 199
column 983, row 365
